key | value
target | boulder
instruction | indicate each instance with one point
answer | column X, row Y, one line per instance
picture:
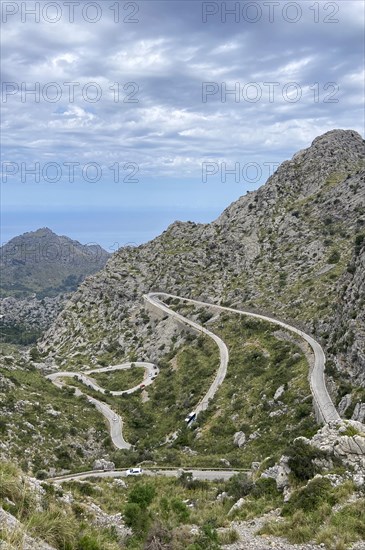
column 280, row 472
column 120, row 483
column 239, row 439
column 279, row 392
column 359, row 413
column 237, row 505
column 344, row 404
column 103, row 464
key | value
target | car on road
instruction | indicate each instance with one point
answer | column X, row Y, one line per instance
column 115, row 419
column 142, row 386
column 134, row 472
column 190, row 418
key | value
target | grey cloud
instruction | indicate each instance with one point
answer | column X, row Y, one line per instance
column 169, row 54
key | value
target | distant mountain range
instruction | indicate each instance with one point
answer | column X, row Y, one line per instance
column 42, row 263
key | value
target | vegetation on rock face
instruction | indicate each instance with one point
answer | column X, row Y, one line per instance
column 302, row 460
column 96, row 516
column 294, row 248
column 48, row 514
column 42, row 426
column 119, row 380
column 138, row 514
column 285, row 248
column 309, row 515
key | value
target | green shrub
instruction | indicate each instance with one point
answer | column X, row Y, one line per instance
column 3, row 426
column 334, row 257
column 301, row 457
column 136, row 518
column 310, row 497
column 86, row 489
column 207, row 540
column 350, row 431
column 180, row 509
column 188, row 482
column 359, row 240
column 143, row 495
column 239, row 486
column 265, row 487
column 34, row 354
column 41, row 474
column 88, row 542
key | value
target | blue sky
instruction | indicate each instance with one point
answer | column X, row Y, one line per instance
column 148, row 88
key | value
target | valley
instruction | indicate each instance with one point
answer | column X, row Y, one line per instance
column 254, row 325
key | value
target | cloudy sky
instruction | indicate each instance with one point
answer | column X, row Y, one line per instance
column 121, row 116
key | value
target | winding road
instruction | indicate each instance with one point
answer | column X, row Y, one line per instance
column 115, row 421
column 325, row 409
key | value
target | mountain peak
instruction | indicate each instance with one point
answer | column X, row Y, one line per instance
column 339, row 136
column 341, row 142
column 42, row 232
column 47, row 264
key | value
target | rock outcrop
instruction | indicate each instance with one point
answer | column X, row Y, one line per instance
column 359, row 413
column 346, row 440
column 239, row 439
column 280, row 473
column 24, row 541
column 103, row 464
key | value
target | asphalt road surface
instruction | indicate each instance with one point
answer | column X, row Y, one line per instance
column 324, row 404
column 207, row 475
column 115, row 421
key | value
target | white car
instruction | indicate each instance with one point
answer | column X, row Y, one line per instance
column 134, row 472
column 115, row 419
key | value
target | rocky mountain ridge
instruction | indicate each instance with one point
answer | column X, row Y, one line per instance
column 293, row 248
column 39, row 269
column 40, row 263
